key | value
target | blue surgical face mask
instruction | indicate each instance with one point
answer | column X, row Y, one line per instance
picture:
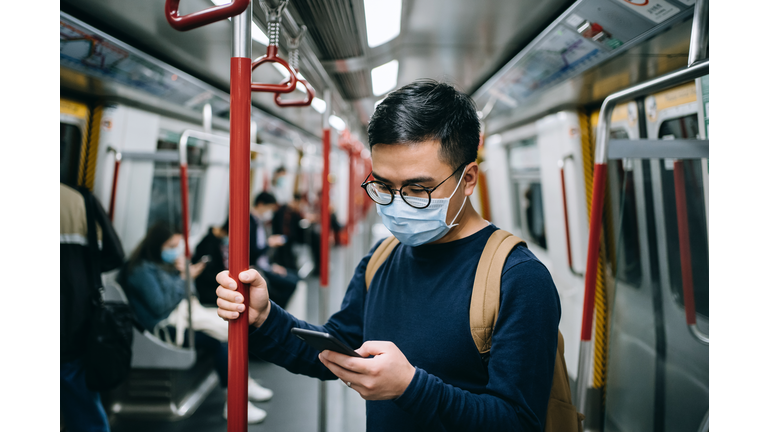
column 415, row 227
column 225, row 240
column 169, row 255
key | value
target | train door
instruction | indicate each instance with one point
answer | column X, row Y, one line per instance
column 681, row 204
column 656, row 368
column 73, row 121
column 634, row 345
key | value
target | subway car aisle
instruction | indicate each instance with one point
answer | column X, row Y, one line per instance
column 294, row 406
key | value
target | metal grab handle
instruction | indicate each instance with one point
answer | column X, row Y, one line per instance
column 293, row 61
column 561, row 165
column 203, row 17
column 689, row 300
column 273, row 31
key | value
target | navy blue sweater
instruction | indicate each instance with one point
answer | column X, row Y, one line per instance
column 419, row 300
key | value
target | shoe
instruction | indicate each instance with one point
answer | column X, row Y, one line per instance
column 255, row 414
column 258, row 393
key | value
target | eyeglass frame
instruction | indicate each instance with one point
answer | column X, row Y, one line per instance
column 429, row 190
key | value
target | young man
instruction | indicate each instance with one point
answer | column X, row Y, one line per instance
column 421, row 370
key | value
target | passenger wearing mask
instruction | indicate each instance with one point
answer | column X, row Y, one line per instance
column 153, row 281
column 280, row 188
column 420, row 368
column 281, row 281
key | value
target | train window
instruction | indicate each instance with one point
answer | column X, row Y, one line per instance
column 165, row 201
column 525, row 176
column 628, row 252
column 686, row 128
column 70, row 141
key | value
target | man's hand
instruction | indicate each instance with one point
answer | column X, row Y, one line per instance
column 231, row 302
column 196, row 269
column 383, row 377
column 277, row 268
column 275, row 240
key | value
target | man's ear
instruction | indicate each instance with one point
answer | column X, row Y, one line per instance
column 471, row 175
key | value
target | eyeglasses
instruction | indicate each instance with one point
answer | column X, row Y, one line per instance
column 415, row 195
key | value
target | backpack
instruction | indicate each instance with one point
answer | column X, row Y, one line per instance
column 562, row 416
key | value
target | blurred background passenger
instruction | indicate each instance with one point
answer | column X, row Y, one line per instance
column 153, row 279
column 280, row 187
column 81, row 408
column 281, row 282
column 213, row 249
column 287, row 222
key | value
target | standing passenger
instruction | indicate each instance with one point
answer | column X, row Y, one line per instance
column 424, row 372
column 81, row 408
column 154, row 283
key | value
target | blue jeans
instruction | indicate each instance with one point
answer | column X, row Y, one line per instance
column 80, row 407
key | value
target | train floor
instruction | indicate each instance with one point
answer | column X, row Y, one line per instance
column 295, row 404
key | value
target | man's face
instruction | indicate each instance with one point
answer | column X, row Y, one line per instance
column 401, row 164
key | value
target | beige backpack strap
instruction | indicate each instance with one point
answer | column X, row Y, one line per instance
column 484, row 306
column 379, row 256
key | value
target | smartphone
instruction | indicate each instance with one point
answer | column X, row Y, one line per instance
column 323, row 341
column 205, row 259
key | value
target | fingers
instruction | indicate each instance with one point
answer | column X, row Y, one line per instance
column 374, row 348
column 228, row 295
column 343, row 374
column 225, row 281
column 346, row 362
column 251, row 276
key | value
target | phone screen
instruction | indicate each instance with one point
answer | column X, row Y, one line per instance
column 323, row 341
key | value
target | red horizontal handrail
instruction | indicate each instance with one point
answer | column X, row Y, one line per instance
column 203, row 17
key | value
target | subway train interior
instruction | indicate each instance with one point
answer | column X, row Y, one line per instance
column 594, row 149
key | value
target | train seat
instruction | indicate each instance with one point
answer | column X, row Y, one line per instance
column 166, row 382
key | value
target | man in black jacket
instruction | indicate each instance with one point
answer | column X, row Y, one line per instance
column 214, row 246
column 81, row 407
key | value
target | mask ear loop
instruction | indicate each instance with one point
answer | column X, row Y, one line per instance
column 451, row 225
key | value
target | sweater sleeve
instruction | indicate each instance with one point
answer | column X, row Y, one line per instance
column 274, row 342
column 520, row 369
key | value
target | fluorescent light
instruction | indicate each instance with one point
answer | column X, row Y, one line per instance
column 318, row 104
column 384, row 77
column 382, row 20
column 258, row 35
column 337, row 123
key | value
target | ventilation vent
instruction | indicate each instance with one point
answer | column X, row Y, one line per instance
column 332, row 26
column 354, row 85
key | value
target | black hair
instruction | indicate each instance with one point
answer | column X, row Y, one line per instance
column 280, row 169
column 151, row 247
column 225, row 227
column 428, row 110
column 264, row 198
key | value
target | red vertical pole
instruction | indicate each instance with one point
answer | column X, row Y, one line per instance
column 689, row 299
column 565, row 216
column 185, row 207
column 118, row 157
column 239, row 215
column 325, row 214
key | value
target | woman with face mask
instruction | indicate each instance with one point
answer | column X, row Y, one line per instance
column 153, row 281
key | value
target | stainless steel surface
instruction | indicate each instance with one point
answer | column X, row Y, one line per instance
column 698, row 334
column 699, row 32
column 649, row 149
column 241, row 33
column 654, row 85
column 149, row 352
column 584, row 375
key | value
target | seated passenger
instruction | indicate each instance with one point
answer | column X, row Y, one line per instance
column 214, row 246
column 281, row 282
column 153, row 280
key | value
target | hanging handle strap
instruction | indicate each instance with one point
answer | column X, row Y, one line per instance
column 274, row 15
column 203, row 17
column 293, row 61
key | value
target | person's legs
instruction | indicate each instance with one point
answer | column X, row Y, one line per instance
column 80, row 407
column 219, row 350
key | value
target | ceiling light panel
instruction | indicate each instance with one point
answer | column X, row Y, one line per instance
column 384, row 77
column 382, row 20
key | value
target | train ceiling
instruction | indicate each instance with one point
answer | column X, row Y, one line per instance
column 468, row 43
